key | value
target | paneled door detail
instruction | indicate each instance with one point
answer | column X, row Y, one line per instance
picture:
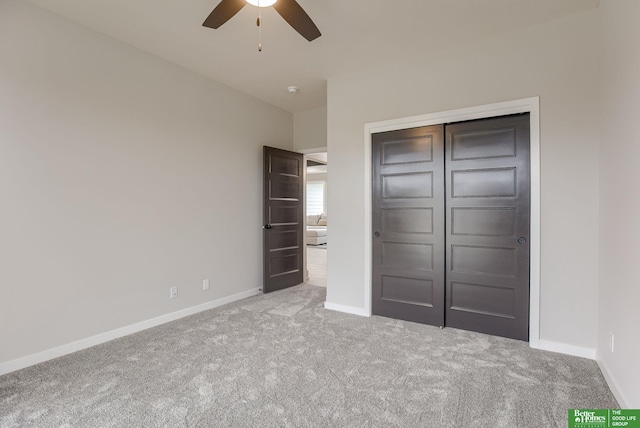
column 451, row 208
column 488, row 210
column 408, row 224
column 282, row 219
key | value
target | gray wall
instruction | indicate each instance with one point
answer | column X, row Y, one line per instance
column 111, row 165
column 310, row 130
column 556, row 61
column 620, row 198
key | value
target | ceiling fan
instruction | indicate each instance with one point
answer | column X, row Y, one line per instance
column 290, row 10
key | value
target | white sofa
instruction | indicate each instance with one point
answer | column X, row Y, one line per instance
column 316, row 229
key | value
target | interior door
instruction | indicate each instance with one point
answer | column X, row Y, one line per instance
column 408, row 224
column 283, row 219
column 488, row 210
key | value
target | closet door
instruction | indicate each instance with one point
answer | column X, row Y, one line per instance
column 488, row 206
column 408, row 224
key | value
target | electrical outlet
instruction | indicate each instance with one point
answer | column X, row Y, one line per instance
column 611, row 341
column 173, row 292
column 205, row 284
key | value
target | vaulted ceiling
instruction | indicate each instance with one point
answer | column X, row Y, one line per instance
column 356, row 34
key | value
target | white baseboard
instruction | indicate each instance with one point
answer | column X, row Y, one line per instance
column 613, row 386
column 79, row 345
column 563, row 348
column 346, row 309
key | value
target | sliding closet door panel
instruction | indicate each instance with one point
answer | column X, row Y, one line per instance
column 408, row 224
column 488, row 206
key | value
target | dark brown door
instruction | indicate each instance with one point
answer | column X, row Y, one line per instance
column 466, row 266
column 408, row 224
column 488, row 206
column 283, row 219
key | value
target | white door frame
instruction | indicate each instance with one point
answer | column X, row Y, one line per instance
column 526, row 105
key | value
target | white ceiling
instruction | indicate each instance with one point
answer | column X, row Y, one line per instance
column 356, row 34
column 320, row 157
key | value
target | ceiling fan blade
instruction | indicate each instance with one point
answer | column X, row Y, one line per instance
column 223, row 12
column 293, row 13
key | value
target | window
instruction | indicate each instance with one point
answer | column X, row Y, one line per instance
column 315, row 197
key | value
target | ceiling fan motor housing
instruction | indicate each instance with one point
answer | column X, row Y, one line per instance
column 290, row 10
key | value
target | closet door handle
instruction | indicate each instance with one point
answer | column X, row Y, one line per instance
column 376, row 234
column 522, row 240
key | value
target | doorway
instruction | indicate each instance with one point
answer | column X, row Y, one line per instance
column 316, row 219
column 451, row 206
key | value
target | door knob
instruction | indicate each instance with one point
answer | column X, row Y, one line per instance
column 376, row 234
column 267, row 226
column 522, row 240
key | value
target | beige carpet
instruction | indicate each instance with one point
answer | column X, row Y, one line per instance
column 317, row 265
column 282, row 360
